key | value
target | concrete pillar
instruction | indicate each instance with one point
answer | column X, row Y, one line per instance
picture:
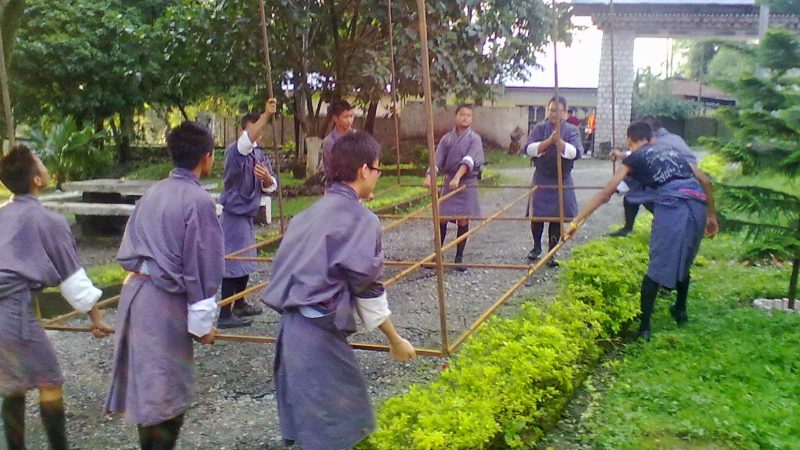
column 623, row 78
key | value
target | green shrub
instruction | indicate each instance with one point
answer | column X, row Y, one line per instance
column 69, row 152
column 514, row 377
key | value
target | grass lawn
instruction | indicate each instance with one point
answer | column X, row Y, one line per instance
column 5, row 194
column 499, row 159
column 728, row 380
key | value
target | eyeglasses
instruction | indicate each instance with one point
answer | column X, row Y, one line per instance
column 375, row 169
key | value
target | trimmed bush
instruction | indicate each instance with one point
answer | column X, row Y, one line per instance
column 513, row 378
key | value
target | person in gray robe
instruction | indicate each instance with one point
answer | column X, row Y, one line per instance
column 550, row 140
column 325, row 270
column 37, row 250
column 459, row 157
column 683, row 202
column 342, row 116
column 247, row 175
column 662, row 138
column 173, row 248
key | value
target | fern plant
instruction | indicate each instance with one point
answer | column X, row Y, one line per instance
column 766, row 144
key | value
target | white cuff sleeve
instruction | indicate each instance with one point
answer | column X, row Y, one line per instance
column 469, row 162
column 272, row 187
column 201, row 316
column 623, row 187
column 244, row 145
column 373, row 311
column 533, row 149
column 570, row 152
column 79, row 291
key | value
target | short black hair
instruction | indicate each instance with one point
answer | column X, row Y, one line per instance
column 17, row 169
column 558, row 99
column 640, row 130
column 251, row 117
column 339, row 106
column 571, row 111
column 654, row 123
column 350, row 153
column 464, row 106
column 188, row 143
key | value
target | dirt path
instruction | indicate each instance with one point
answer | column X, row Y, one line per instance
column 235, row 404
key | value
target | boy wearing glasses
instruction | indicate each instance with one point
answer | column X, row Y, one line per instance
column 325, row 270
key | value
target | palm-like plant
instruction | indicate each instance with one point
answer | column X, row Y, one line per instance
column 70, row 152
column 766, row 142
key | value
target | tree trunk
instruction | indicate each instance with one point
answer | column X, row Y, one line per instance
column 372, row 111
column 126, row 136
column 793, row 282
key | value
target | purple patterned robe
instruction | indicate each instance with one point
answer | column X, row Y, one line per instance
column 174, row 231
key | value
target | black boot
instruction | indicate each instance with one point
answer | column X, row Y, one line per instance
column 13, row 412
column 553, row 238
column 162, row 436
column 55, row 423
column 678, row 309
column 460, row 247
column 537, row 230
column 631, row 211
column 648, row 302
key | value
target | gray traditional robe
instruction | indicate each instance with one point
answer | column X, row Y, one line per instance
column 173, row 245
column 330, row 251
column 36, row 250
column 453, row 151
column 679, row 215
column 241, row 199
column 544, row 201
column 327, row 147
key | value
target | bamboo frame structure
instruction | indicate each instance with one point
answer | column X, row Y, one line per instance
column 433, row 259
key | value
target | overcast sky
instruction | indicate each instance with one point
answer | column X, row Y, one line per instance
column 579, row 65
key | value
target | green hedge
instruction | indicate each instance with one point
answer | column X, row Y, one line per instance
column 512, row 380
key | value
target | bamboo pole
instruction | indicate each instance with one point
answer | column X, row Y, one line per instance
column 6, row 97
column 355, row 345
column 479, row 218
column 613, row 87
column 428, row 100
column 558, row 124
column 503, row 298
column 520, row 186
column 243, row 294
column 255, row 246
column 412, row 214
column 265, row 38
column 394, row 90
column 100, row 305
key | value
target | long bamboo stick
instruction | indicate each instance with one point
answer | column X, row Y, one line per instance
column 428, row 100
column 6, row 97
column 265, row 39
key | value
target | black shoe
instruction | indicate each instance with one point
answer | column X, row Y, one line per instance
column 681, row 318
column 459, row 261
column 534, row 254
column 247, row 310
column 622, row 232
column 553, row 262
column 233, row 321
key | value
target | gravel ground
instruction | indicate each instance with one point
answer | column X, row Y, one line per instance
column 235, row 404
